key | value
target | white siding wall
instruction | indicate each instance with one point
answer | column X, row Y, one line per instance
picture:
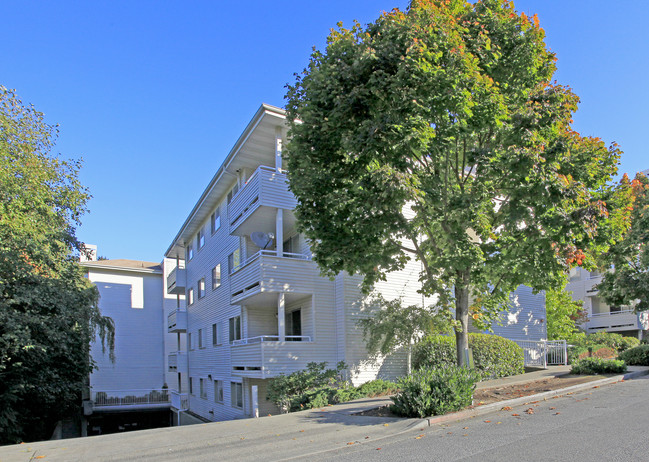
column 134, row 302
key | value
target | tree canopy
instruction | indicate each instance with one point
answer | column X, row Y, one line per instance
column 48, row 309
column 439, row 134
column 628, row 281
column 562, row 313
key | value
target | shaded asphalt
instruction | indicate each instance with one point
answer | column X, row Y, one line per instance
column 284, row 437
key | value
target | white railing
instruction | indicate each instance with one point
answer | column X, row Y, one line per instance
column 611, row 313
column 268, row 253
column 271, row 338
column 179, row 400
column 544, row 353
column 101, row 398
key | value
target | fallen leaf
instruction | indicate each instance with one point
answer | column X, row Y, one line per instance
column 498, row 423
column 530, row 411
column 465, row 428
column 385, row 425
column 449, row 433
column 516, row 415
column 487, row 421
column 39, row 457
column 557, row 413
column 367, row 437
column 301, row 431
column 349, row 443
column 465, row 435
column 596, row 386
column 378, row 449
column 506, row 408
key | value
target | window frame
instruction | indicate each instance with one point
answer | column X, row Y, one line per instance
column 215, row 220
column 201, row 288
column 219, row 392
column 234, row 329
column 216, row 338
column 236, row 395
column 200, row 239
column 215, row 284
column 190, row 296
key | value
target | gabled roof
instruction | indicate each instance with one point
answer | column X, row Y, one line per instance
column 124, row 265
column 264, row 122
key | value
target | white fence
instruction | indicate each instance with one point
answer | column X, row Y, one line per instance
column 102, row 398
column 544, row 353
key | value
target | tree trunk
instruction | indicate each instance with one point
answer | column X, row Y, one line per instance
column 462, row 315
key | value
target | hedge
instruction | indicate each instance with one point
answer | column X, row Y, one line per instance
column 598, row 366
column 638, row 356
column 493, row 356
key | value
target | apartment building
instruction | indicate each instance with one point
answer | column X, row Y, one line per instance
column 129, row 390
column 601, row 316
column 250, row 302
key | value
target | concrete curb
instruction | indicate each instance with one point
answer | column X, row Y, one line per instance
column 487, row 408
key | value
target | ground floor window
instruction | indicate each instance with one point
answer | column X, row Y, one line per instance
column 236, row 391
column 218, row 391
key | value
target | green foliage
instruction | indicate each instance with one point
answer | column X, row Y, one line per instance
column 493, row 356
column 435, row 391
column 377, row 387
column 638, row 356
column 562, row 313
column 406, row 133
column 317, row 386
column 292, row 391
column 591, row 366
column 611, row 340
column 48, row 309
column 390, row 325
column 628, row 284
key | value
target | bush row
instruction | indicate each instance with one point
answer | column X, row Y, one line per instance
column 317, row 386
column 493, row 356
column 610, row 340
column 598, row 366
column 638, row 356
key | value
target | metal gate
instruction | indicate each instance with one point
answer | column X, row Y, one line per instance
column 544, row 353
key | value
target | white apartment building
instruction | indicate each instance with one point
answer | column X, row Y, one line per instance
column 250, row 302
column 601, row 316
column 133, row 295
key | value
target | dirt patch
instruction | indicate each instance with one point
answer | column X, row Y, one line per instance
column 496, row 394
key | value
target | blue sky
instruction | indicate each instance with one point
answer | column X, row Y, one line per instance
column 153, row 94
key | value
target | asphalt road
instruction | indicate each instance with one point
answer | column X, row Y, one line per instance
column 610, row 423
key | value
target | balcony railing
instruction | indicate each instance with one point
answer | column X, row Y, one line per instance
column 143, row 398
column 176, row 361
column 265, row 187
column 177, row 321
column 614, row 320
column 271, row 338
column 176, row 281
column 179, row 401
column 266, row 272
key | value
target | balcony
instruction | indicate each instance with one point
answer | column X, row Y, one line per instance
column 616, row 321
column 112, row 400
column 177, row 321
column 265, row 356
column 254, row 207
column 265, row 272
column 176, row 281
column 179, row 401
column 177, row 361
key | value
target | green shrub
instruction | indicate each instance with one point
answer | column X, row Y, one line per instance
column 493, row 356
column 598, row 366
column 428, row 392
column 611, row 340
column 645, row 341
column 638, row 356
column 378, row 387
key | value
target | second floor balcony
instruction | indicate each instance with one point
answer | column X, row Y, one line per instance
column 177, row 361
column 177, row 321
column 616, row 321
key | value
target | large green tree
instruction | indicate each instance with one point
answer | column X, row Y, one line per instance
column 628, row 281
column 562, row 313
column 48, row 310
column 438, row 134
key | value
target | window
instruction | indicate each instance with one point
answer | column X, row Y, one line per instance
column 292, row 244
column 201, row 288
column 236, row 391
column 189, row 341
column 190, row 296
column 200, row 339
column 235, row 328
column 200, row 239
column 202, row 388
column 234, row 261
column 233, row 192
column 216, row 335
column 218, row 391
column 190, row 252
column 191, row 385
column 216, row 276
column 216, row 220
